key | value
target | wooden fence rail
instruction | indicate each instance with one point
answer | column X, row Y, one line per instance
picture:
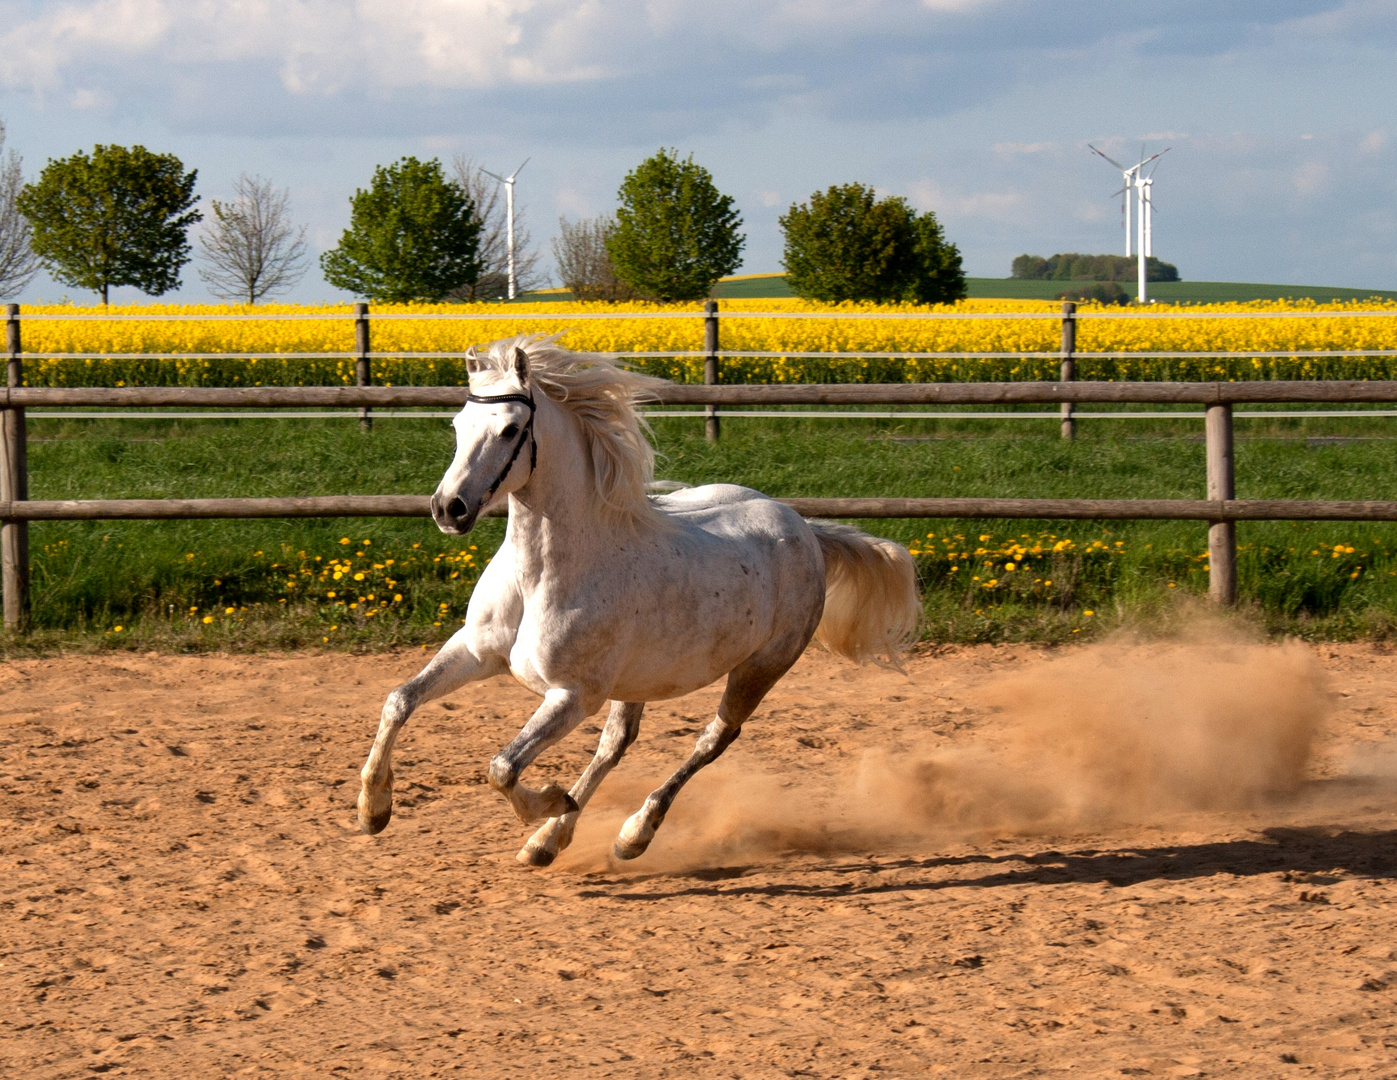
column 1018, row 393
column 1211, row 510
column 1221, row 510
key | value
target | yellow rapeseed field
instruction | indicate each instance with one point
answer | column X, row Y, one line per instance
column 270, row 341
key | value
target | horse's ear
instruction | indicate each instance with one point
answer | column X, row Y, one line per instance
column 472, row 361
column 521, row 365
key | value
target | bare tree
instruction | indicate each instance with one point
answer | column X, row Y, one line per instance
column 18, row 263
column 493, row 283
column 251, row 249
column 584, row 265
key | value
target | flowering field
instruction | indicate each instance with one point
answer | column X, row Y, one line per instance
column 271, row 343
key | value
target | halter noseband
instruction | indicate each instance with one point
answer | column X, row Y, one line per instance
column 527, row 432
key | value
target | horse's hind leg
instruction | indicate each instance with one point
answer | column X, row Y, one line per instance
column 747, row 685
column 622, row 727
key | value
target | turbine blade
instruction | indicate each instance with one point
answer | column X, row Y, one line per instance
column 517, row 171
column 497, row 176
column 1098, row 153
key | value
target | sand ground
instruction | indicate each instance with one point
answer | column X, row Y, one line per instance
column 185, row 893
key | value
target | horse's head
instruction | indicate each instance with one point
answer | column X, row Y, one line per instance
column 496, row 448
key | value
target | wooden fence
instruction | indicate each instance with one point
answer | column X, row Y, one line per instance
column 1220, row 509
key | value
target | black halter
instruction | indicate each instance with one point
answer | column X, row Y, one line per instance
column 527, row 432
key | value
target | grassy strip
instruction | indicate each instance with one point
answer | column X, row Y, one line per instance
column 254, row 584
column 431, row 371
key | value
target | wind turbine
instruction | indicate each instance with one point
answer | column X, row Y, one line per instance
column 508, row 182
column 1135, row 178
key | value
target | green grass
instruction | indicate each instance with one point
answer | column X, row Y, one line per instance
column 761, row 286
column 170, row 585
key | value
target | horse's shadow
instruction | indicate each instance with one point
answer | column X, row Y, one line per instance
column 1315, row 855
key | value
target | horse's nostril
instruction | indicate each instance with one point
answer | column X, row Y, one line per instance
column 456, row 509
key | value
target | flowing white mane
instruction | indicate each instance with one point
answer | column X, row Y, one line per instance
column 602, row 396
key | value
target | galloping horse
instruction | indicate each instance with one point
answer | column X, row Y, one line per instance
column 602, row 591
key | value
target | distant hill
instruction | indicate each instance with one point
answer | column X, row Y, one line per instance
column 761, row 286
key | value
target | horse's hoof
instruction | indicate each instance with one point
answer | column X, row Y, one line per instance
column 555, row 802
column 536, row 856
column 634, row 838
column 628, row 851
column 563, row 801
column 374, row 820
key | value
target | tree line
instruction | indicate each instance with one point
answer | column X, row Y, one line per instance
column 1076, row 267
column 121, row 216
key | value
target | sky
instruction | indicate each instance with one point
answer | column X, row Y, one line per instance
column 1279, row 115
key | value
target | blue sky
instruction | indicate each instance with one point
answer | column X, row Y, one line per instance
column 1280, row 114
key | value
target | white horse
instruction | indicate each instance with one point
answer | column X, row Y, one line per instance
column 601, row 592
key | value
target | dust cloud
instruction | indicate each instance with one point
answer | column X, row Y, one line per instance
column 1099, row 736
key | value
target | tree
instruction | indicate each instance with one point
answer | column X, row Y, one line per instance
column 18, row 263
column 493, row 282
column 1077, row 267
column 937, row 274
column 675, row 233
column 584, row 265
column 119, row 217
column 252, row 249
column 847, row 244
column 413, row 235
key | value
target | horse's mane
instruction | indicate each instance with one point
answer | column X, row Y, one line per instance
column 602, row 396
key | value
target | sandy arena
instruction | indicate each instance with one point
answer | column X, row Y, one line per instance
column 1171, row 861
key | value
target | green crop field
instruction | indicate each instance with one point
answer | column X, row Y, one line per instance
column 252, row 584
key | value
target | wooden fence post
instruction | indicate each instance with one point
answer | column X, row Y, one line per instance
column 1222, row 535
column 710, row 366
column 361, row 363
column 1069, row 364
column 14, row 485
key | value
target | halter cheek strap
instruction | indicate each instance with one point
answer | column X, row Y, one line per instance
column 527, row 432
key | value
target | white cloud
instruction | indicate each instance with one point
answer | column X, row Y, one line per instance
column 84, row 98
column 1375, row 142
column 1008, row 149
column 574, row 204
column 956, row 5
column 995, row 206
column 1311, row 178
column 318, row 46
column 323, row 46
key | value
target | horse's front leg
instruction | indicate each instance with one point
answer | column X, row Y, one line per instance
column 561, row 711
column 450, row 669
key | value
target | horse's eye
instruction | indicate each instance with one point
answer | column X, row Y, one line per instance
column 509, row 431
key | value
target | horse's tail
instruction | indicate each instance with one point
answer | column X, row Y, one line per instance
column 872, row 610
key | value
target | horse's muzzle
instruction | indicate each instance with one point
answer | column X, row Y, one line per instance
column 452, row 515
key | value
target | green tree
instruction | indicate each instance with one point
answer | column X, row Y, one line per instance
column 119, row 217
column 937, row 275
column 675, row 233
column 847, row 244
column 413, row 235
